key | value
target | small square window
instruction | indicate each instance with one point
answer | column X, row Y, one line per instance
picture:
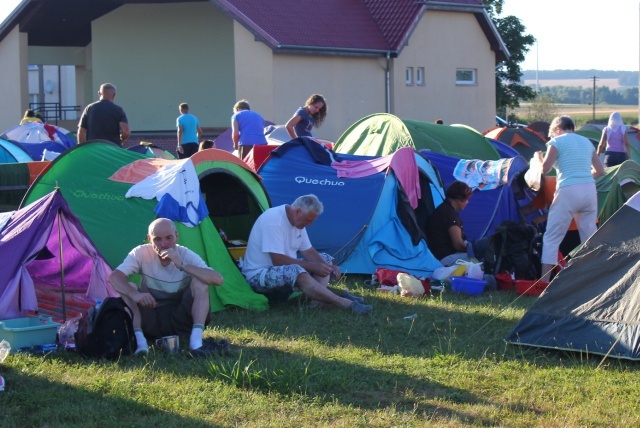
column 420, row 76
column 466, row 76
column 409, row 76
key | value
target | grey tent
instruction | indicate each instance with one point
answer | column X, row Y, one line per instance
column 594, row 304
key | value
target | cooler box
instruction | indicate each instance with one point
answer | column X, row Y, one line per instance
column 28, row 331
column 237, row 248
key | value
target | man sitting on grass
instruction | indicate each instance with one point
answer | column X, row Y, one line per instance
column 272, row 266
column 173, row 298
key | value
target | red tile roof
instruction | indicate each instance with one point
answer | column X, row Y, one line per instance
column 372, row 26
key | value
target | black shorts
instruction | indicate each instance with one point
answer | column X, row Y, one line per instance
column 170, row 317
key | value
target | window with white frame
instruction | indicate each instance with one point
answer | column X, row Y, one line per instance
column 409, row 76
column 420, row 76
column 466, row 76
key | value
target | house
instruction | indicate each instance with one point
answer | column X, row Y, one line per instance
column 419, row 60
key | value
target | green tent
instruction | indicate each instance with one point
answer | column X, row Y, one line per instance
column 383, row 134
column 116, row 224
column 616, row 187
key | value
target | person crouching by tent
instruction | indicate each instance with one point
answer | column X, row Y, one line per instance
column 445, row 231
column 271, row 265
column 173, row 298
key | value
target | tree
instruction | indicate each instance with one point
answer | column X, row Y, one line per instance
column 509, row 91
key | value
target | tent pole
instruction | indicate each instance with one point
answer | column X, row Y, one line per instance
column 64, row 300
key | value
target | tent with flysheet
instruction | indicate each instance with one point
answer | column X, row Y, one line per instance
column 96, row 177
column 382, row 134
column 368, row 220
column 487, row 208
column 45, row 248
column 619, row 183
column 525, row 140
column 592, row 306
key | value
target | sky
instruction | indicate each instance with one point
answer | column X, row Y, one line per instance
column 571, row 34
column 579, row 34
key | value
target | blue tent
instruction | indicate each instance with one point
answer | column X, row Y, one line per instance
column 367, row 221
column 505, row 150
column 11, row 153
column 487, row 208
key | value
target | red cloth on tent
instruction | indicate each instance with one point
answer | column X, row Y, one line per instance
column 258, row 155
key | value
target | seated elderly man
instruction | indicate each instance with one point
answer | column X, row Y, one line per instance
column 173, row 298
column 272, row 266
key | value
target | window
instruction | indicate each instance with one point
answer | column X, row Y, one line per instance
column 420, row 76
column 409, row 75
column 466, row 76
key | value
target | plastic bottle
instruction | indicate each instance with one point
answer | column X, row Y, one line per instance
column 98, row 304
column 223, row 235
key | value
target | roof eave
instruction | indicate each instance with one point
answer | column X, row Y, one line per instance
column 334, row 51
column 11, row 20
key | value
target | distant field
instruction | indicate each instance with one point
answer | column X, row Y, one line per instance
column 582, row 113
column 585, row 83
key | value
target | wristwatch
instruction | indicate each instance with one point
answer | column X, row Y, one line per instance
column 183, row 265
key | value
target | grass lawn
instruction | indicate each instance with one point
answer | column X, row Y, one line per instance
column 295, row 366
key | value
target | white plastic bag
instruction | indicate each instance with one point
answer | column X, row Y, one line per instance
column 410, row 285
column 533, row 176
column 4, row 350
column 444, row 272
column 474, row 270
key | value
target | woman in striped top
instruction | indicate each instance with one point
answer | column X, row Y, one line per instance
column 577, row 166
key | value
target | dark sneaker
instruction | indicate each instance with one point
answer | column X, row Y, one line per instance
column 212, row 347
column 352, row 297
column 360, row 308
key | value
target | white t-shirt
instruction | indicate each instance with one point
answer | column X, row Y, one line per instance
column 272, row 233
column 168, row 279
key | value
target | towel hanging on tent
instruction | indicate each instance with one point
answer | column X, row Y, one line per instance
column 177, row 189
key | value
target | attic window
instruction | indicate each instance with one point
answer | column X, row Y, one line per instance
column 409, row 76
column 466, row 76
column 420, row 76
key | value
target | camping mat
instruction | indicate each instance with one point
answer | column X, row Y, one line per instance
column 50, row 304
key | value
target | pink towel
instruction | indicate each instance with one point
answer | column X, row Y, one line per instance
column 403, row 163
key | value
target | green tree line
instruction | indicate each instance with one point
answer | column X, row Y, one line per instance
column 580, row 95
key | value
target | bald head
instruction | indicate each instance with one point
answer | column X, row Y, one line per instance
column 107, row 91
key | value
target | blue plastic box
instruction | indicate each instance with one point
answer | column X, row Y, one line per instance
column 28, row 331
column 470, row 286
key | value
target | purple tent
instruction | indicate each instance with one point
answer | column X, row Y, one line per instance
column 43, row 246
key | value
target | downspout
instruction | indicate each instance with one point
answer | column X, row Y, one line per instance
column 388, row 83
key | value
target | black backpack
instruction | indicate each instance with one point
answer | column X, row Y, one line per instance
column 514, row 248
column 106, row 332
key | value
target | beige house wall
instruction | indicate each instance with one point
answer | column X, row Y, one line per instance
column 441, row 43
column 353, row 88
column 161, row 55
column 14, row 84
column 253, row 71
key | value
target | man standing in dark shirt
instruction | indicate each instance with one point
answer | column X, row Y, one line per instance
column 104, row 120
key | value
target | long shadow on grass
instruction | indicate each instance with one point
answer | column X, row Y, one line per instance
column 450, row 324
column 36, row 401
